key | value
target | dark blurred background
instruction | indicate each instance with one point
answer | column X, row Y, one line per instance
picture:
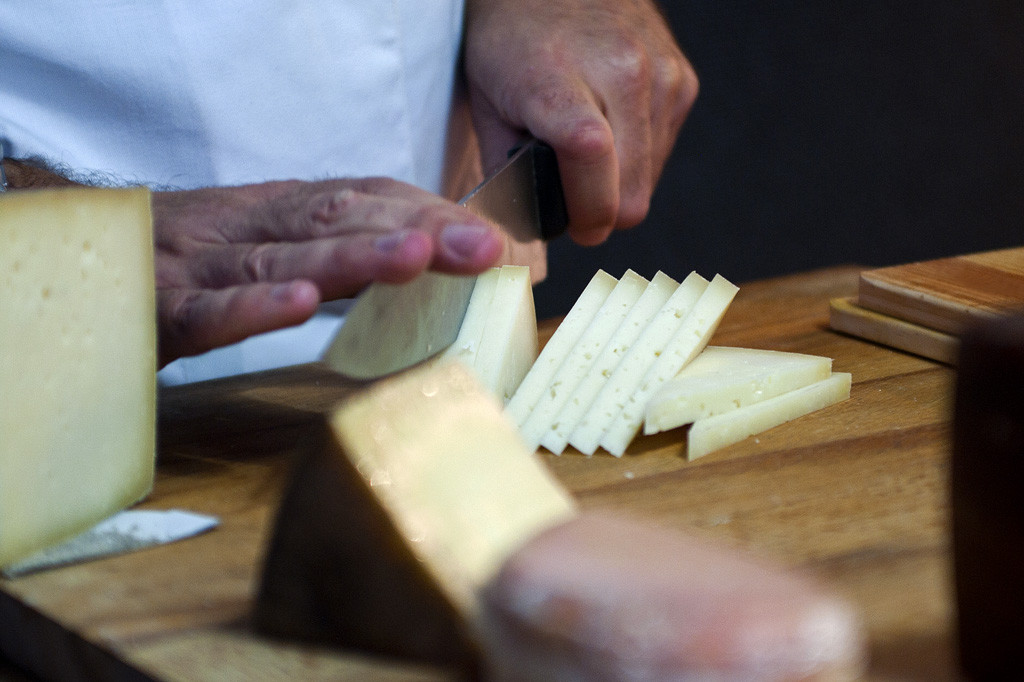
column 870, row 132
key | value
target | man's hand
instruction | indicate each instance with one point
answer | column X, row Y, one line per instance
column 601, row 81
column 233, row 262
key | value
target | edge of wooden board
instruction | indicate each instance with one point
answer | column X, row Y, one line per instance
column 848, row 317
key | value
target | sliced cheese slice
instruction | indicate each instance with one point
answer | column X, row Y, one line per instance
column 688, row 341
column 471, row 331
column 653, row 298
column 78, row 366
column 392, row 527
column 722, row 378
column 508, row 345
column 394, row 326
column 538, row 379
column 582, row 356
column 713, row 433
column 633, row 367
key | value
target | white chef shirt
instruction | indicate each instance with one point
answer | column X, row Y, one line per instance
column 190, row 93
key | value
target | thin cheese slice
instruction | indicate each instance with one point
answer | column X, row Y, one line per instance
column 689, row 340
column 390, row 530
column 558, row 346
column 631, row 370
column 394, row 326
column 581, row 358
column 657, row 292
column 471, row 332
column 722, row 378
column 508, row 346
column 713, row 433
column 78, row 366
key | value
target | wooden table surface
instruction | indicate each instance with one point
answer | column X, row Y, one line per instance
column 855, row 494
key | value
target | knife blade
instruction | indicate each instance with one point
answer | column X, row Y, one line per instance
column 394, row 326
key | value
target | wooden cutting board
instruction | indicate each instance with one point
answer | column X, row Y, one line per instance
column 922, row 307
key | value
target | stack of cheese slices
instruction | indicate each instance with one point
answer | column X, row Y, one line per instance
column 632, row 353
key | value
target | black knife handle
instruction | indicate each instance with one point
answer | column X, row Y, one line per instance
column 552, row 215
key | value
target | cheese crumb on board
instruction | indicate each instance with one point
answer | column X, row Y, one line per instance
column 580, row 360
column 723, row 378
column 78, row 367
column 538, row 379
column 713, row 433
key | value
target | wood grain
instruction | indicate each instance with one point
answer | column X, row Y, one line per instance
column 947, row 293
column 855, row 494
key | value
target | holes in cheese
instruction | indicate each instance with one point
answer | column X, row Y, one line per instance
column 556, row 437
column 579, row 361
column 398, row 517
column 721, row 379
column 690, row 339
column 538, row 378
column 712, row 433
column 78, row 367
column 630, row 372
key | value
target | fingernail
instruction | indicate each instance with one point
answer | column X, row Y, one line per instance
column 464, row 240
column 390, row 241
column 281, row 292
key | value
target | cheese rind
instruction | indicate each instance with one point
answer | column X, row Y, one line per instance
column 78, row 367
column 723, row 378
column 580, row 360
column 559, row 345
column 630, row 372
column 689, row 340
column 713, row 433
column 651, row 300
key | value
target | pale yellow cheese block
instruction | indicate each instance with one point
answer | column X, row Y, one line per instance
column 551, row 357
column 653, row 298
column 630, row 372
column 78, row 365
column 723, row 378
column 713, row 433
column 580, row 359
column 427, row 501
column 394, row 326
column 471, row 331
column 508, row 345
column 689, row 340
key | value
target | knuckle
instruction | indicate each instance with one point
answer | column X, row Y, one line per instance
column 257, row 263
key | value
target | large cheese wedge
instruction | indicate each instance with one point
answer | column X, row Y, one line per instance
column 551, row 357
column 418, row 493
column 630, row 372
column 580, row 359
column 78, row 362
column 689, row 340
column 653, row 298
column 471, row 330
column 713, row 433
column 508, row 345
column 722, row 378
column 394, row 326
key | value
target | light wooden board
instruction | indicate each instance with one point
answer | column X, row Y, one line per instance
column 855, row 494
column 947, row 293
column 846, row 316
